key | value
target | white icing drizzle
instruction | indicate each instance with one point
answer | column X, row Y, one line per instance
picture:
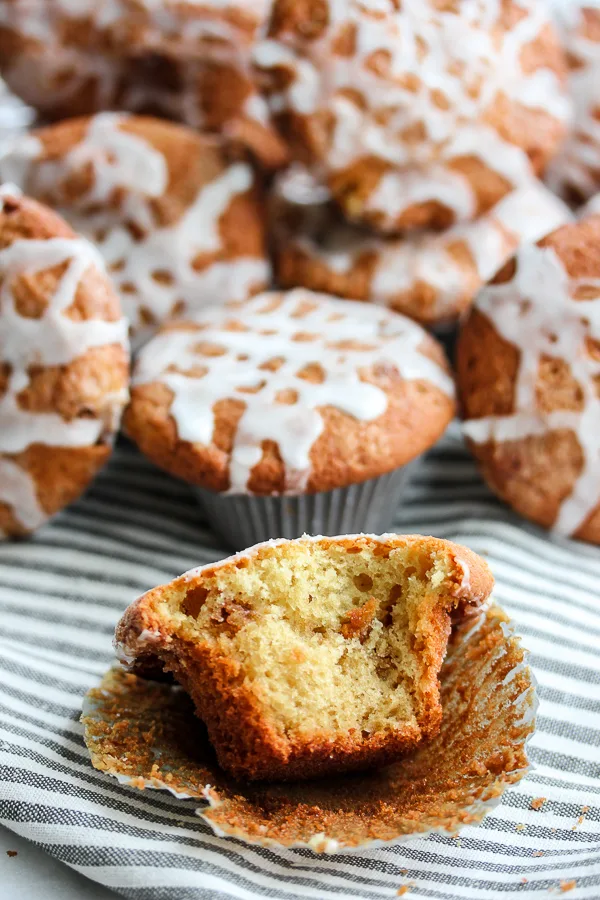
column 578, row 164
column 53, row 339
column 236, row 362
column 427, row 78
column 537, row 312
column 156, row 272
column 403, row 264
column 17, row 490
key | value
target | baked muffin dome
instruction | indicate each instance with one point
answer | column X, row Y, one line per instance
column 182, row 59
column 430, row 276
column 288, row 393
column 417, row 113
column 63, row 364
column 313, row 656
column 178, row 224
column 528, row 363
column 576, row 170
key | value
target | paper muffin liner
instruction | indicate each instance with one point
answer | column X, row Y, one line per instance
column 369, row 506
column 146, row 735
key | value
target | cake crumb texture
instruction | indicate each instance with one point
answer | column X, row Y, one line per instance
column 311, row 656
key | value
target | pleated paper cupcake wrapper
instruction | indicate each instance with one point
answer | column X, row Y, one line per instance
column 369, row 506
column 146, row 735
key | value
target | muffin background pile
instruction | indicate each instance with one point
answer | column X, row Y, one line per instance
column 62, row 591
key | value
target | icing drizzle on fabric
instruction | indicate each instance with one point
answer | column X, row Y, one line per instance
column 261, row 354
column 153, row 267
column 53, row 339
column 537, row 312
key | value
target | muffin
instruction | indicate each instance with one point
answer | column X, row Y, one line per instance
column 431, row 277
column 576, row 170
column 310, row 657
column 417, row 114
column 291, row 412
column 64, row 368
column 145, row 734
column 178, row 223
column 528, row 362
column 182, row 59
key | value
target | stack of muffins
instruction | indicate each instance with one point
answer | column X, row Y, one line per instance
column 349, row 151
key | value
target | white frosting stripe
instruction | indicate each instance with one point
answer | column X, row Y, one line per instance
column 236, row 361
column 17, row 490
column 537, row 312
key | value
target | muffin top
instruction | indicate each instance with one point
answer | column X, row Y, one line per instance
column 529, row 377
column 63, row 363
column 289, row 393
column 186, row 60
column 177, row 223
column 418, row 112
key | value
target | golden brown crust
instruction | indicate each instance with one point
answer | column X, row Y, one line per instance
column 246, row 742
column 348, row 450
column 90, row 386
column 537, row 472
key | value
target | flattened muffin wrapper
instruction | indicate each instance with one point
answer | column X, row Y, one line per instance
column 146, row 735
column 243, row 520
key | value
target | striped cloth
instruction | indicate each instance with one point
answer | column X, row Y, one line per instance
column 61, row 594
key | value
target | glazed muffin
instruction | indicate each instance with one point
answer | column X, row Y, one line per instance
column 310, row 657
column 431, row 277
column 291, row 412
column 178, row 224
column 576, row 170
column 180, row 59
column 529, row 378
column 416, row 114
column 63, row 364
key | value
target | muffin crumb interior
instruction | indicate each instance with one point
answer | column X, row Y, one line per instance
column 337, row 639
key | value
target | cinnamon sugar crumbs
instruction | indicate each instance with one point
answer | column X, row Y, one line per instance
column 358, row 621
column 538, row 802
